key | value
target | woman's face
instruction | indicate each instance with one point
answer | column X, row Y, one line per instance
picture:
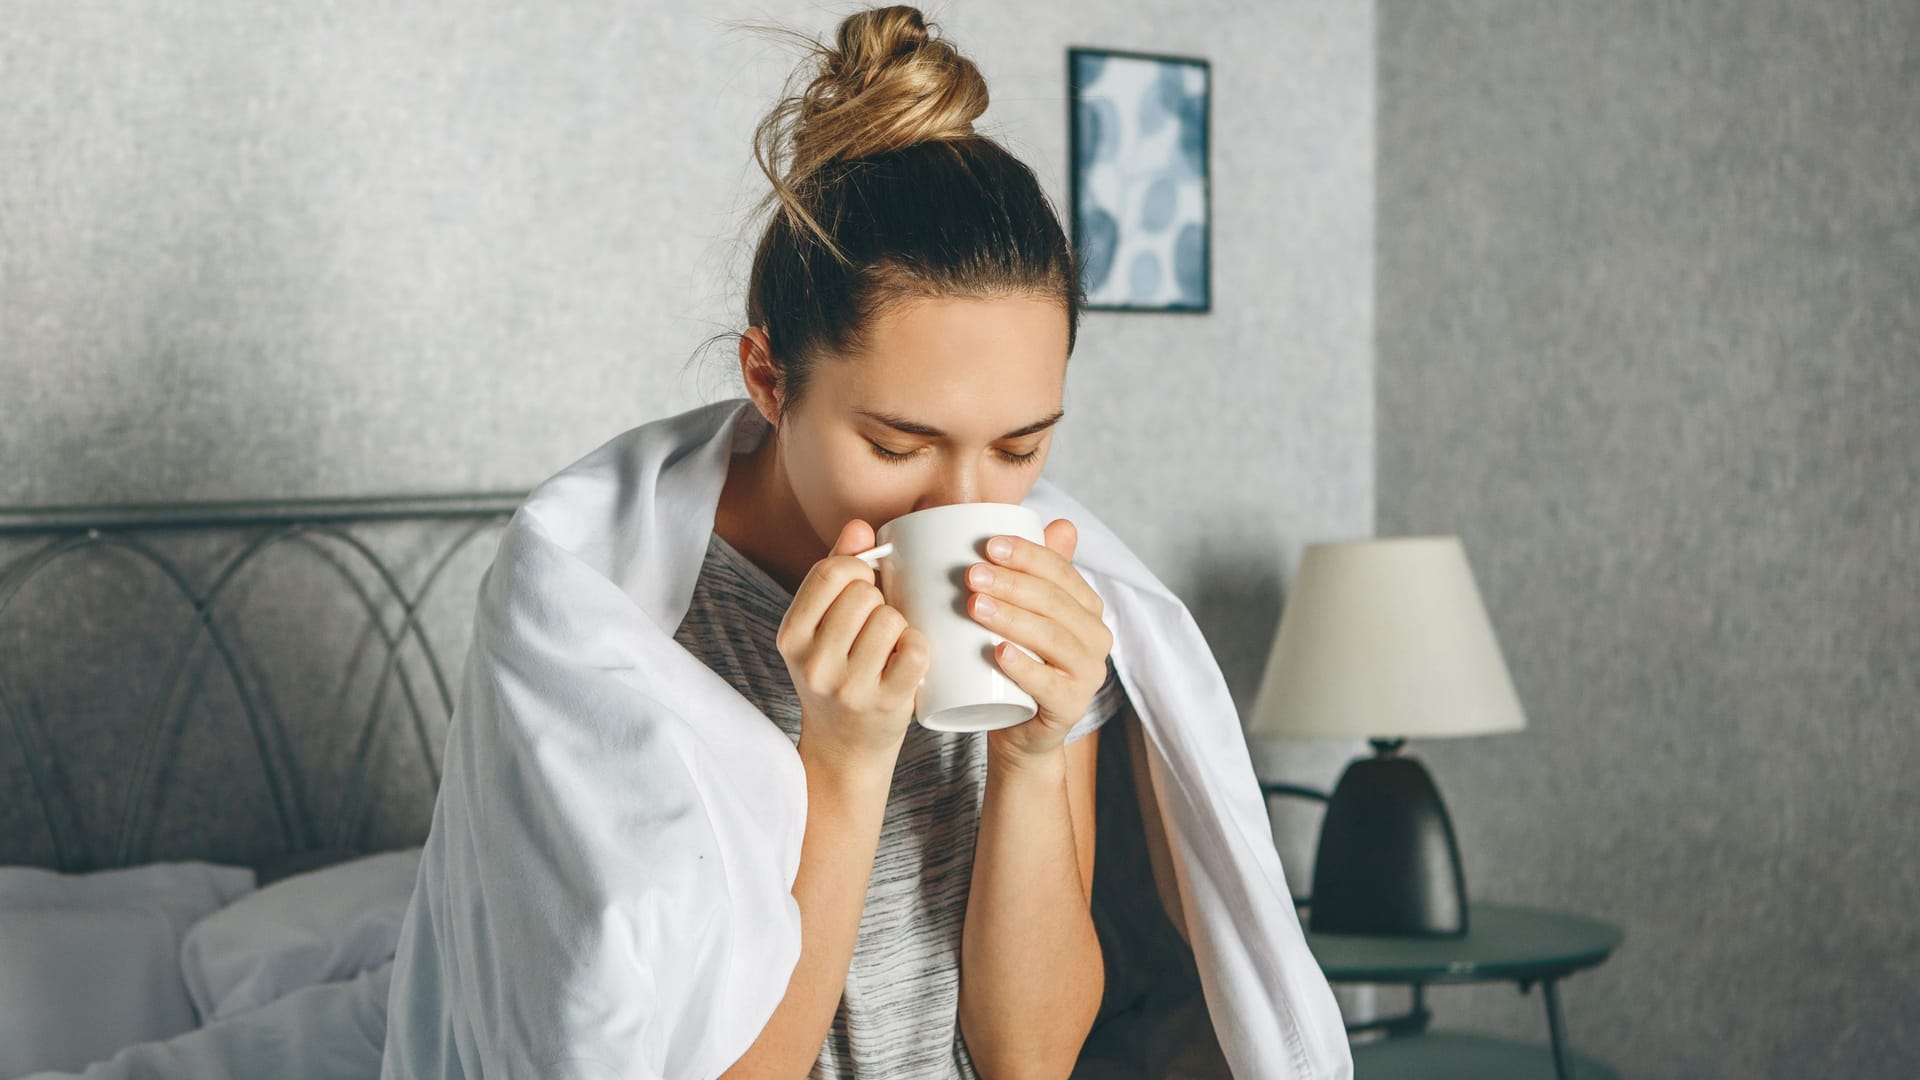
column 966, row 390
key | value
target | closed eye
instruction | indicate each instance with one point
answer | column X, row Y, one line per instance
column 1013, row 459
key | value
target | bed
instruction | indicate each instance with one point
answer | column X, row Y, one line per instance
column 205, row 710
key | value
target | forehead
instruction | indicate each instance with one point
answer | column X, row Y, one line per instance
column 964, row 365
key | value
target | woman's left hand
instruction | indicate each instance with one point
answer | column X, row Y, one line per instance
column 1035, row 597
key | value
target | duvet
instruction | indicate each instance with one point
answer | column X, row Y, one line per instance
column 605, row 887
column 605, row 890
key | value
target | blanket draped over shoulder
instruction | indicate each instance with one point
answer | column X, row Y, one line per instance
column 605, row 888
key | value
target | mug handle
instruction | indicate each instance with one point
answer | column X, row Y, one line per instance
column 873, row 555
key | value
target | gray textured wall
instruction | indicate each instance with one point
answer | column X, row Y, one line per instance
column 1648, row 338
column 423, row 245
column 260, row 250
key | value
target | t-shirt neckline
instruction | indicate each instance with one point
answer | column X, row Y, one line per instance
column 751, row 569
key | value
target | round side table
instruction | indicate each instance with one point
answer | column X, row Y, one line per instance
column 1503, row 943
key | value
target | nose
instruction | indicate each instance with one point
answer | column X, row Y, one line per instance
column 956, row 484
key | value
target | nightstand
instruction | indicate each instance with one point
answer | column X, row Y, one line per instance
column 1503, row 943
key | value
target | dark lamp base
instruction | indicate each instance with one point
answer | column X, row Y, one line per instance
column 1387, row 862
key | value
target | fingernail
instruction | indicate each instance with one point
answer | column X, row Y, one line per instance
column 982, row 574
column 984, row 605
column 1000, row 547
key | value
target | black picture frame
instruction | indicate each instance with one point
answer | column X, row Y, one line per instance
column 1119, row 192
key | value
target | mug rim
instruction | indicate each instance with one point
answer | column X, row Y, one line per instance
column 939, row 511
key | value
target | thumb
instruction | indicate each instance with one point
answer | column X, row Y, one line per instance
column 1062, row 536
column 855, row 536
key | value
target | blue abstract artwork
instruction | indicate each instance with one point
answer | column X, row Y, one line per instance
column 1140, row 194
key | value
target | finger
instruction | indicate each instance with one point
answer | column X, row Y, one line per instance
column 1046, row 637
column 855, row 535
column 875, row 643
column 1044, row 561
column 911, row 658
column 823, row 585
column 845, row 617
column 1041, row 682
column 1036, row 594
column 1061, row 536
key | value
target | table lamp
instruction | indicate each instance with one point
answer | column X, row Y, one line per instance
column 1386, row 640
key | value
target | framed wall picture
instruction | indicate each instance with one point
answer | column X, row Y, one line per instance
column 1141, row 204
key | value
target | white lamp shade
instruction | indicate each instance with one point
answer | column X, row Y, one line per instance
column 1385, row 639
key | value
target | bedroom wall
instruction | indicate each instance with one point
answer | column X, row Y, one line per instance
column 426, row 246
column 417, row 246
column 1649, row 341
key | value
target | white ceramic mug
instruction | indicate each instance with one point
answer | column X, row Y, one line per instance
column 921, row 560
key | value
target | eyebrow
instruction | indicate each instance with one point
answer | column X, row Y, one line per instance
column 914, row 427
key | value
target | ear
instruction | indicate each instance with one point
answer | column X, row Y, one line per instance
column 760, row 373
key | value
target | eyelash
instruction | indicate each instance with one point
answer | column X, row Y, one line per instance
column 887, row 455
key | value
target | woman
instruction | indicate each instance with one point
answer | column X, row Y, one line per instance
column 617, row 854
column 922, row 350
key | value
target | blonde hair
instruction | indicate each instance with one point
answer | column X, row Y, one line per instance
column 886, row 83
column 885, row 192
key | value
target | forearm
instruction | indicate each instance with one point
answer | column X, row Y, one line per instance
column 1031, row 973
column 845, row 808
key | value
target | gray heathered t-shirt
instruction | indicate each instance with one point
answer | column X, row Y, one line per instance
column 899, row 1013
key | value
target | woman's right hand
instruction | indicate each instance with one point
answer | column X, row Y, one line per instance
column 854, row 661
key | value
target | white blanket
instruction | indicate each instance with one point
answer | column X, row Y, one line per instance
column 331, row 1031
column 605, row 890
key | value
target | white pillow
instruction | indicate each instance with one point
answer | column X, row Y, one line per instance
column 321, row 926
column 90, row 963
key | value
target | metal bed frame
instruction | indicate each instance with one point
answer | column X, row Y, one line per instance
column 68, row 531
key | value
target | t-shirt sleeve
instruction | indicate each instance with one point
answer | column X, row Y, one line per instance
column 1107, row 703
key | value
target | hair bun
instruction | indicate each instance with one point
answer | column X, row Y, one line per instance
column 870, row 40
column 886, row 83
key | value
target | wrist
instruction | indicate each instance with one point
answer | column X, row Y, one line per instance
column 850, row 772
column 1012, row 761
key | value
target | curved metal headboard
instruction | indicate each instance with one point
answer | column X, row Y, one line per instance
column 68, row 531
